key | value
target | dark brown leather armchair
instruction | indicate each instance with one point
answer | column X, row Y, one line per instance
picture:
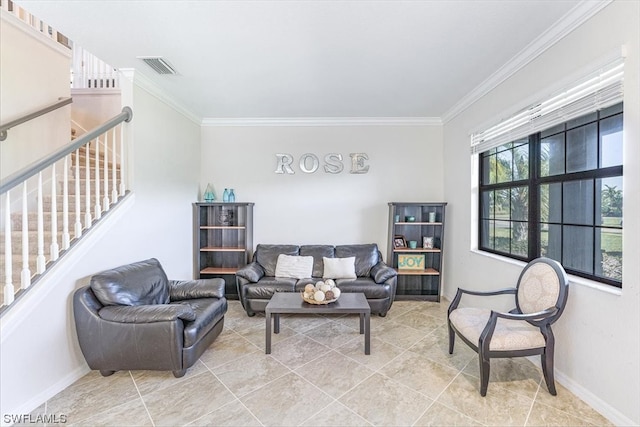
column 132, row 317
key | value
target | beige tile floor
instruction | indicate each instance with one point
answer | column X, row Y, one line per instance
column 317, row 375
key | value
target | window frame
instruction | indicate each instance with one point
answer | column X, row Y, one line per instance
column 534, row 184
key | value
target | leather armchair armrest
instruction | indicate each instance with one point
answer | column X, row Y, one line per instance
column 381, row 272
column 200, row 288
column 251, row 272
column 147, row 313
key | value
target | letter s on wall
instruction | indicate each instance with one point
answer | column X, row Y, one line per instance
column 333, row 163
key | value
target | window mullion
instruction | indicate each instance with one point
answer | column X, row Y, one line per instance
column 534, row 197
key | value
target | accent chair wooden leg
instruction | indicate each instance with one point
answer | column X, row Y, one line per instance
column 547, row 370
column 485, row 367
column 452, row 338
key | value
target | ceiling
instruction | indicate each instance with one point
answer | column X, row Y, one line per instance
column 318, row 59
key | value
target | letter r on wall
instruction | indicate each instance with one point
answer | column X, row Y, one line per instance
column 284, row 163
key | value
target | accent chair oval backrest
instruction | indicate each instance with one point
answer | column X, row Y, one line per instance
column 543, row 283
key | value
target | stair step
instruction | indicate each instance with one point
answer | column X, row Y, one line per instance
column 32, row 217
column 16, row 242
column 71, row 188
column 92, row 172
column 46, row 202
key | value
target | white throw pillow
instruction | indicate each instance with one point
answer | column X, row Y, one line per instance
column 339, row 268
column 295, row 267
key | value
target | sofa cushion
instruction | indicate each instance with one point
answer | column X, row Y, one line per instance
column 294, row 266
column 267, row 286
column 366, row 256
column 208, row 312
column 339, row 268
column 318, row 252
column 267, row 256
column 301, row 283
column 139, row 283
column 367, row 286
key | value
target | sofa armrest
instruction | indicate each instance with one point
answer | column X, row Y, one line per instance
column 200, row 288
column 251, row 272
column 381, row 272
column 147, row 313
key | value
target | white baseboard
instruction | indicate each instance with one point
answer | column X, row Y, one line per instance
column 604, row 408
column 29, row 406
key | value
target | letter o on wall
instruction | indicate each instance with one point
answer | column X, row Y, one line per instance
column 305, row 159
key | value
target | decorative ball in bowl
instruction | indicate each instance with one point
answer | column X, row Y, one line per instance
column 323, row 292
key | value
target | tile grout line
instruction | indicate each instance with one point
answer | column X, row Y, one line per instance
column 533, row 402
column 135, row 384
column 228, row 403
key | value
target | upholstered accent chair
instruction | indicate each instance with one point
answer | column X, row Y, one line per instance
column 540, row 297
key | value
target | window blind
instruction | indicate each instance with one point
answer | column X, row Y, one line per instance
column 599, row 90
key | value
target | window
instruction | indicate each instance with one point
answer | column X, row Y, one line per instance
column 558, row 193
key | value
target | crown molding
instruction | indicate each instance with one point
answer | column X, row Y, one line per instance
column 565, row 25
column 144, row 82
column 324, row 121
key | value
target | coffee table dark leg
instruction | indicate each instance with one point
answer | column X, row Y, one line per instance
column 362, row 323
column 276, row 323
column 367, row 333
column 267, row 348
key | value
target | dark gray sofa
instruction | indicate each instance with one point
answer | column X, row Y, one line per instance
column 257, row 282
column 132, row 317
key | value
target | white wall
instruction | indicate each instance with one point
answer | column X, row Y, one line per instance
column 40, row 355
column 405, row 164
column 598, row 336
column 91, row 108
column 27, row 83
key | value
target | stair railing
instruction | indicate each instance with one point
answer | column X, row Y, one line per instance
column 102, row 176
column 61, row 102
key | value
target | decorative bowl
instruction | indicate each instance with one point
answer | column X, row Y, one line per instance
column 317, row 294
column 312, row 301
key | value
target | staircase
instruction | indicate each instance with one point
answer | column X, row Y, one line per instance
column 48, row 208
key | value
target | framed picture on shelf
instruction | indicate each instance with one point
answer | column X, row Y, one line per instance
column 428, row 242
column 399, row 242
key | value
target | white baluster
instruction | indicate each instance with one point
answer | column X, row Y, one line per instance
column 98, row 212
column 40, row 260
column 66, row 238
column 114, row 187
column 123, row 187
column 25, row 275
column 105, row 200
column 78, row 224
column 8, row 266
column 54, row 249
column 87, row 193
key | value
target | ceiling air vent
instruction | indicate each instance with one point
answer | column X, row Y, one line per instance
column 159, row 65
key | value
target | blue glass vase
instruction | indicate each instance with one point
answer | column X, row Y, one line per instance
column 225, row 195
column 209, row 196
column 232, row 195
